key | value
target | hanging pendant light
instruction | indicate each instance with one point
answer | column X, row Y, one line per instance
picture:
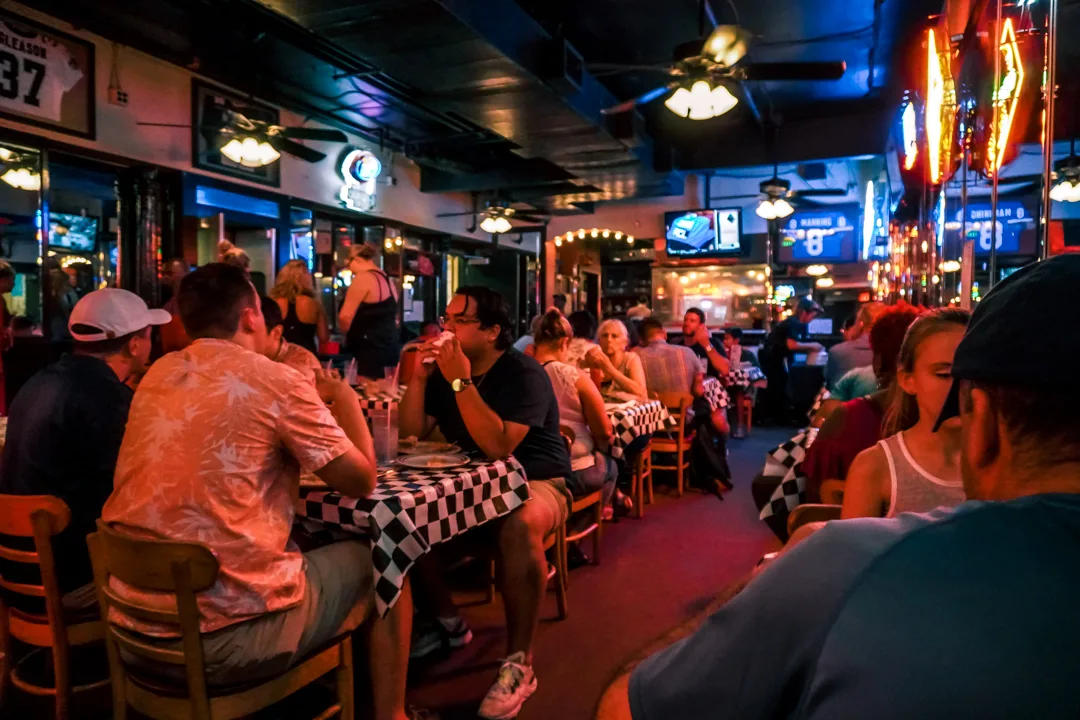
column 702, row 101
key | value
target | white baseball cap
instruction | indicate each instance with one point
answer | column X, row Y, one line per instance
column 112, row 313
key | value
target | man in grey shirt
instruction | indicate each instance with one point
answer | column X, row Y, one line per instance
column 855, row 351
column 969, row 612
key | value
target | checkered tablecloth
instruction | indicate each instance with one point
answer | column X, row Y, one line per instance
column 639, row 419
column 379, row 400
column 715, row 394
column 743, row 378
column 785, row 462
column 822, row 396
column 411, row 510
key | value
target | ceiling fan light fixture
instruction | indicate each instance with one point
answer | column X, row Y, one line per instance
column 1065, row 190
column 502, row 224
column 825, row 282
column 766, row 210
column 816, row 270
column 782, row 207
column 22, row 179
column 488, row 225
column 701, row 101
column 250, row 152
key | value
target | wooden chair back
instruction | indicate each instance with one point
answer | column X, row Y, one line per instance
column 38, row 518
column 677, row 404
column 181, row 569
column 832, row 492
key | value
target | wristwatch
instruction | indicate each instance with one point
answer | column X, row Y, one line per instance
column 460, row 384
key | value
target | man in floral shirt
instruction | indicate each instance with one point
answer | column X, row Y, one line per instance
column 216, row 440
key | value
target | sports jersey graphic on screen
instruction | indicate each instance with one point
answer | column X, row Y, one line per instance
column 35, row 73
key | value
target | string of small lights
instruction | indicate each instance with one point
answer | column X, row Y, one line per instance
column 596, row 234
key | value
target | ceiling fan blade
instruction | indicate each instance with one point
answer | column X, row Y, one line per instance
column 794, row 71
column 285, row 145
column 302, row 133
column 640, row 100
column 460, row 214
column 169, row 125
column 605, row 69
column 727, row 44
column 822, row 192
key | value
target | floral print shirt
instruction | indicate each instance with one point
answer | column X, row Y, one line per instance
column 215, row 443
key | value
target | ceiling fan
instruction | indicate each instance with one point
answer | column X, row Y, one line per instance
column 254, row 143
column 498, row 214
column 701, row 73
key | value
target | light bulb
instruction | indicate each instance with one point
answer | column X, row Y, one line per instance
column 679, row 102
column 765, row 210
column 825, row 282
column 267, row 154
column 558, row 242
column 22, row 179
column 595, row 232
column 618, row 235
column 488, row 224
column 502, row 225
column 782, row 207
column 816, row 270
column 233, row 150
column 925, row 246
column 950, row 266
column 581, row 234
column 606, row 233
column 630, row 239
column 1065, row 191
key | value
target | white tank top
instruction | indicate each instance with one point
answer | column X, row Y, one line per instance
column 913, row 488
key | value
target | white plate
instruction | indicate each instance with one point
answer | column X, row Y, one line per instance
column 433, row 461
column 427, row 447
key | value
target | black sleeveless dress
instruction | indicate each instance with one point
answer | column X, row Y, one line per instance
column 296, row 332
column 373, row 335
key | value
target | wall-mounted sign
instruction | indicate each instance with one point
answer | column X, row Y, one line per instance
column 820, row 235
column 1013, row 219
column 46, row 77
column 359, row 170
column 208, row 112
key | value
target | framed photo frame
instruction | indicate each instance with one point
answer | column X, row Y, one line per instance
column 47, row 77
column 208, row 104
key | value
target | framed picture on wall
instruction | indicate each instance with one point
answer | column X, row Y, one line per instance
column 46, row 77
column 211, row 109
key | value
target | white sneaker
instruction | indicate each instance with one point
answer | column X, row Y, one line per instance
column 513, row 686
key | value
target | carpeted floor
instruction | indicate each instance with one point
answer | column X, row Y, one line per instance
column 657, row 573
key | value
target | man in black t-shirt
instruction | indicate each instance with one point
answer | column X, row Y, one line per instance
column 493, row 400
column 697, row 337
column 786, row 338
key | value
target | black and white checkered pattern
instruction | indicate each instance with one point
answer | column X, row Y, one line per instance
column 785, row 462
column 715, row 394
column 639, row 419
column 411, row 510
column 379, row 401
column 822, row 396
column 743, row 378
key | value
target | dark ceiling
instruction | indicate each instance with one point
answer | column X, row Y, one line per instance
column 472, row 90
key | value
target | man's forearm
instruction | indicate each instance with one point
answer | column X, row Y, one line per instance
column 346, row 410
column 485, row 427
column 411, row 414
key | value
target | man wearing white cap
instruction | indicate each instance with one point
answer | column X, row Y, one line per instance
column 66, row 423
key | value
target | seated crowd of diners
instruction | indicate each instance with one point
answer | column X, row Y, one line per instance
column 947, row 585
column 206, row 445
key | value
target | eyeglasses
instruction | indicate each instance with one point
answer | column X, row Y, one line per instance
column 453, row 320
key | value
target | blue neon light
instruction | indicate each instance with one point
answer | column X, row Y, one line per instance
column 225, row 200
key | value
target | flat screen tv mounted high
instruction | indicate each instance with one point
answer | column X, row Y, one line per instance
column 703, row 233
column 825, row 234
column 76, row 233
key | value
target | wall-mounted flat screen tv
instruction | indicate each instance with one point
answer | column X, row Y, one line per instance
column 77, row 233
column 703, row 233
column 820, row 235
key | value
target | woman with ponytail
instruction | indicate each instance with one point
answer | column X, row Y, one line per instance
column 914, row 469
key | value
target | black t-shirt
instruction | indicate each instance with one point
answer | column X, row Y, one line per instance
column 718, row 345
column 64, row 434
column 518, row 390
column 789, row 329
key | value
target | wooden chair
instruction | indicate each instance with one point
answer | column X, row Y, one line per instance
column 185, row 569
column 832, row 492
column 676, row 442
column 642, row 477
column 594, row 500
column 41, row 517
column 556, row 570
column 745, row 411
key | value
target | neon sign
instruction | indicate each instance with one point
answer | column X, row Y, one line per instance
column 869, row 215
column 910, row 138
column 359, row 170
column 940, row 105
column 1006, row 98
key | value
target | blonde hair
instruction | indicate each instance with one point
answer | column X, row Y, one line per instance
column 903, row 411
column 293, row 280
column 550, row 327
column 239, row 258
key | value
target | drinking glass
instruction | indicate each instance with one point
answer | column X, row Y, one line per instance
column 384, row 434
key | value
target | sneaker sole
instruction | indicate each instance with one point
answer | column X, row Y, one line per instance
column 460, row 641
column 513, row 712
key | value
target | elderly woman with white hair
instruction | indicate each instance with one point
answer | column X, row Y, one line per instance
column 623, row 373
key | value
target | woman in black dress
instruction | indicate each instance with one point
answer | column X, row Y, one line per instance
column 369, row 314
column 305, row 319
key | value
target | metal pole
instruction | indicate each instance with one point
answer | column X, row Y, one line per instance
column 1048, row 125
column 964, row 291
column 997, row 159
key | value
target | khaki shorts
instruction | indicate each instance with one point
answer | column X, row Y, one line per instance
column 338, row 577
column 554, row 495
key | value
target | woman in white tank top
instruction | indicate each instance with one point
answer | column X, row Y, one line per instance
column 914, row 469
